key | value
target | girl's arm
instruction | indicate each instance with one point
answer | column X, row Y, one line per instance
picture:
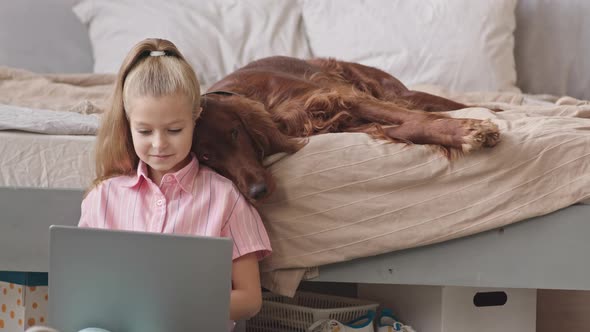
column 246, row 295
column 88, row 209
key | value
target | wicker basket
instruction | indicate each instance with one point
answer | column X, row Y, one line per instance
column 282, row 314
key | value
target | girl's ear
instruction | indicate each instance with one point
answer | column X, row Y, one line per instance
column 197, row 114
column 264, row 131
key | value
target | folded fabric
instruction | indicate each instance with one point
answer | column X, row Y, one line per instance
column 47, row 122
column 361, row 324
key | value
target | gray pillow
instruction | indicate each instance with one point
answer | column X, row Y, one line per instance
column 43, row 36
column 552, row 47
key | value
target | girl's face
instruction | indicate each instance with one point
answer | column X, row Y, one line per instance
column 162, row 132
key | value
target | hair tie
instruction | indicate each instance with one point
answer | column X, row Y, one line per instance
column 157, row 53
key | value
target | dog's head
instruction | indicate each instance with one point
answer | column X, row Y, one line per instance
column 233, row 135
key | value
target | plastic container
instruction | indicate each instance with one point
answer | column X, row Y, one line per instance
column 282, row 314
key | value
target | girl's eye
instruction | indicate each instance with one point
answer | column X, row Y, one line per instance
column 144, row 132
column 175, row 131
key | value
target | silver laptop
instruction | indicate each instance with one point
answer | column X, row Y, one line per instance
column 138, row 282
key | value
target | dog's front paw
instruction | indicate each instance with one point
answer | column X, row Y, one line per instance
column 480, row 133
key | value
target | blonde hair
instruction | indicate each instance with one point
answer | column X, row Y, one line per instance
column 142, row 73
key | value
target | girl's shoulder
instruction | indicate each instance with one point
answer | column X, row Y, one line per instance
column 216, row 178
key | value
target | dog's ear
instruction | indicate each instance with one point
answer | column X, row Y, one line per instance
column 264, row 131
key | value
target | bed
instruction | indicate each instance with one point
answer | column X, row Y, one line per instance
column 45, row 168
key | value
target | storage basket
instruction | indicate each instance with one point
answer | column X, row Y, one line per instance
column 297, row 314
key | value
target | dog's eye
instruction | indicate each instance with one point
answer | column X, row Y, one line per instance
column 205, row 156
column 234, row 134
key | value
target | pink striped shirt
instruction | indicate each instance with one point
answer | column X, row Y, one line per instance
column 194, row 201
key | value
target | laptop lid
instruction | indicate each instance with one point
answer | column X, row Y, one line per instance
column 138, row 282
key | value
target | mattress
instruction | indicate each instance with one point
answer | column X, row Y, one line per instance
column 46, row 161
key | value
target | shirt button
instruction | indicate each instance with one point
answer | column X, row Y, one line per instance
column 159, row 202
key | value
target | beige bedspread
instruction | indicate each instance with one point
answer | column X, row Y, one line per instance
column 345, row 196
column 80, row 93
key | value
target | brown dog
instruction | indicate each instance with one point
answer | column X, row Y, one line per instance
column 268, row 105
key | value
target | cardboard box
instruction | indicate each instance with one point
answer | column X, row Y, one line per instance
column 23, row 300
column 457, row 309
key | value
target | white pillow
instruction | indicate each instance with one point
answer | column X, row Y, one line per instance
column 464, row 45
column 216, row 36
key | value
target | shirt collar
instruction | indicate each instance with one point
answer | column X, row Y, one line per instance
column 184, row 177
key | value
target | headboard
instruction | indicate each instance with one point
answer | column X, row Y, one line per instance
column 552, row 42
column 552, row 48
column 43, row 36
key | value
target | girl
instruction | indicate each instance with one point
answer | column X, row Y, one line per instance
column 148, row 179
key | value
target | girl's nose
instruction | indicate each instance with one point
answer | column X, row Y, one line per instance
column 159, row 141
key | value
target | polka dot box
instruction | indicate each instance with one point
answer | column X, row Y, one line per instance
column 23, row 300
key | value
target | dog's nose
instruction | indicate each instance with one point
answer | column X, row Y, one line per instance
column 258, row 190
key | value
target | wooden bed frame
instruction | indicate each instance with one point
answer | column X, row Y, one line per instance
column 546, row 252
